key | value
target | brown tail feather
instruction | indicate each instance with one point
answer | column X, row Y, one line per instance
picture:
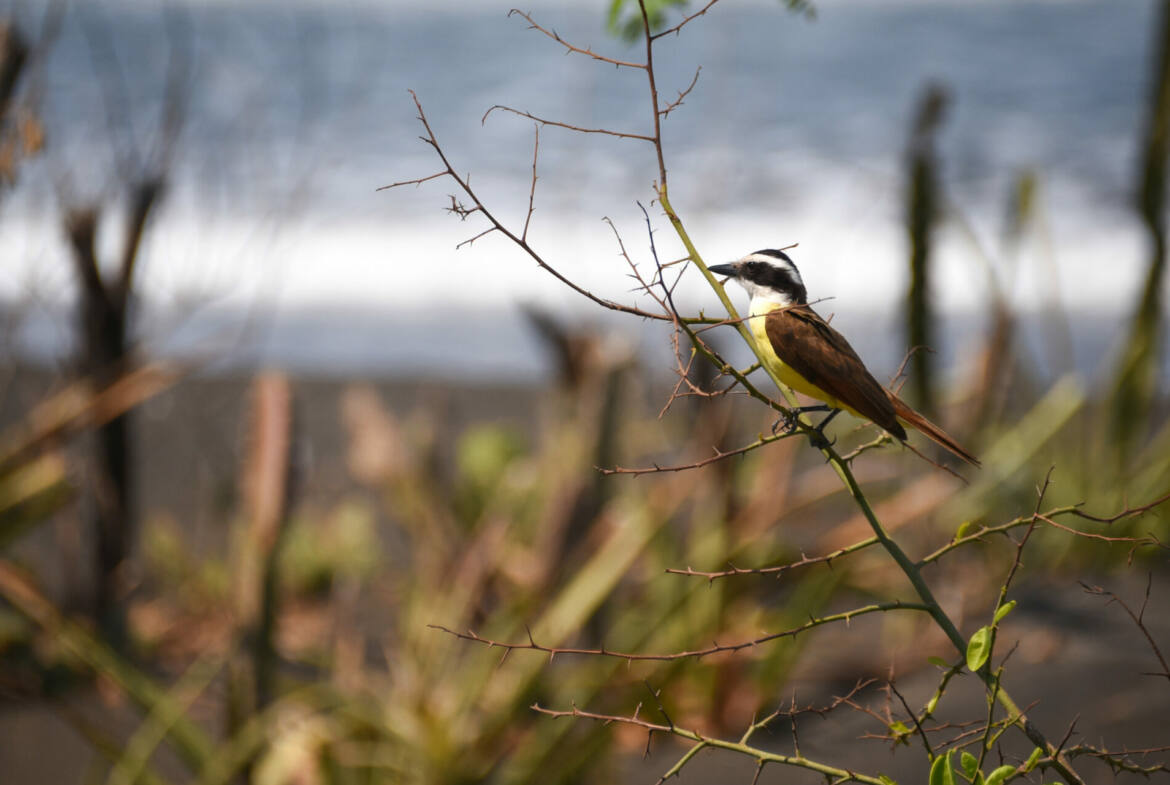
column 930, row 430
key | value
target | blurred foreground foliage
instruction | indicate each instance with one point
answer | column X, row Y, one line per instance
column 516, row 535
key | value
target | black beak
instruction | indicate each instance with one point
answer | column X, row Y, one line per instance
column 724, row 269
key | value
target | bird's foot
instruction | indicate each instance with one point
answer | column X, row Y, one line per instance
column 817, row 438
column 786, row 422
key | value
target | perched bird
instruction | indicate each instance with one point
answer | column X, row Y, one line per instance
column 811, row 357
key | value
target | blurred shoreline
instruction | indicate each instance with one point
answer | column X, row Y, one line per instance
column 484, row 346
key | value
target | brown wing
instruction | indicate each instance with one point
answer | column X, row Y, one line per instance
column 806, row 343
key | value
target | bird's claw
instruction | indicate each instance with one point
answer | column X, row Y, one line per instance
column 788, row 419
column 818, row 439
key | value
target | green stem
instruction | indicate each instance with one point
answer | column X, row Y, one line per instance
column 907, row 565
column 914, row 574
column 835, row 774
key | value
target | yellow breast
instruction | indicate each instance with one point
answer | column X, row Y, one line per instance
column 759, row 309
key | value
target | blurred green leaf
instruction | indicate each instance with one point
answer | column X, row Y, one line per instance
column 932, row 704
column 13, row 628
column 624, row 17
column 1008, row 458
column 316, row 552
column 235, row 752
column 29, row 494
column 1033, row 759
column 1004, row 610
column 969, row 763
column 485, row 451
column 979, row 649
column 1000, row 775
column 482, row 458
column 138, row 750
column 941, row 772
column 188, row 738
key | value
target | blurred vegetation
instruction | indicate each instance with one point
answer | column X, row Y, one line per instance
column 624, row 17
column 305, row 649
column 1139, row 368
column 921, row 215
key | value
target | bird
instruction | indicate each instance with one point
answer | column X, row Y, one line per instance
column 809, row 356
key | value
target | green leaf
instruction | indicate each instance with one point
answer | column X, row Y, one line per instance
column 964, row 529
column 969, row 763
column 1000, row 775
column 979, row 649
column 614, row 14
column 624, row 18
column 939, row 662
column 1004, row 610
column 941, row 772
column 886, row 780
column 1033, row 759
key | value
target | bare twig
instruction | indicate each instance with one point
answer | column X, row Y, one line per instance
column 1121, row 760
column 532, row 189
column 674, row 30
column 464, row 184
column 1138, row 619
column 718, row 456
column 832, row 773
column 567, row 126
column 676, row 103
column 1049, row 517
column 416, row 181
column 914, row 718
column 714, row 648
column 532, row 25
column 779, row 569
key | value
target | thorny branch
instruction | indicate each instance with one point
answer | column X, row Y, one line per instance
column 1138, row 619
column 568, row 126
column 841, row 465
column 778, row 569
column 674, row 30
column 496, row 226
column 718, row 456
column 714, row 648
column 1121, row 760
column 995, row 684
column 1048, row 517
column 532, row 189
column 979, row 535
column 833, row 774
column 532, row 25
column 676, row 103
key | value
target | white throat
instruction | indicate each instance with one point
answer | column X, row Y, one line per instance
column 764, row 298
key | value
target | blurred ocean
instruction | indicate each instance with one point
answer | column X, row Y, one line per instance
column 273, row 246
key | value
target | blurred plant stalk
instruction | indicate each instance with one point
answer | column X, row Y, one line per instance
column 266, row 488
column 922, row 209
column 1140, row 363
